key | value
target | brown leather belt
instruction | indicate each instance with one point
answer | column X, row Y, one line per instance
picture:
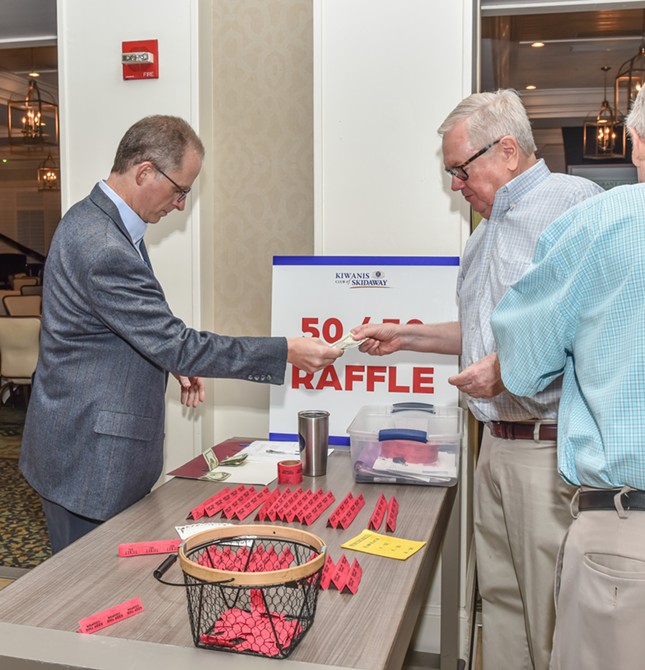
column 517, row 430
column 603, row 500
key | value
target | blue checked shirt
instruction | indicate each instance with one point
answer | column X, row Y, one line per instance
column 497, row 254
column 581, row 309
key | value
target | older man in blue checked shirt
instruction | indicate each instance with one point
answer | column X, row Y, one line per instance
column 521, row 505
column 580, row 312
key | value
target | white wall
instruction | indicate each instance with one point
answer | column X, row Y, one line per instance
column 386, row 75
column 96, row 108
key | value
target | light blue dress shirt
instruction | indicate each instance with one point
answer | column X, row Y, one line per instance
column 497, row 254
column 580, row 310
column 134, row 224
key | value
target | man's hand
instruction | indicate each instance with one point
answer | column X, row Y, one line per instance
column 382, row 338
column 482, row 379
column 311, row 354
column 193, row 390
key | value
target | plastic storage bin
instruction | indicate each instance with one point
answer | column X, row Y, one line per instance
column 406, row 443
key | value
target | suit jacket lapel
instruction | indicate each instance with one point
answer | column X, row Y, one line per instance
column 144, row 253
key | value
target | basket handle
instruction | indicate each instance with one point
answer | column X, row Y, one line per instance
column 163, row 568
column 167, row 564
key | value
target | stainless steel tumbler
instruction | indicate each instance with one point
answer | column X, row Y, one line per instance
column 313, row 436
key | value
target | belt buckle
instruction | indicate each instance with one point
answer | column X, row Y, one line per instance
column 538, row 425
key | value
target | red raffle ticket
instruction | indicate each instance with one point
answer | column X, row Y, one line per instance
column 110, row 616
column 378, row 514
column 147, row 548
column 392, row 512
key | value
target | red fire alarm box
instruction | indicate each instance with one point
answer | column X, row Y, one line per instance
column 140, row 59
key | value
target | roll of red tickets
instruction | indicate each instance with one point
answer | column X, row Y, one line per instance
column 289, row 472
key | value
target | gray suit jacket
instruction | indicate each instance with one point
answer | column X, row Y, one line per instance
column 93, row 438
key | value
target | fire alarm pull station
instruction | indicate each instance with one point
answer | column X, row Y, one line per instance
column 140, row 59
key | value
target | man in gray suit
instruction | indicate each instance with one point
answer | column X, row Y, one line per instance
column 93, row 438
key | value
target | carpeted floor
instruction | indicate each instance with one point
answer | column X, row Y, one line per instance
column 23, row 532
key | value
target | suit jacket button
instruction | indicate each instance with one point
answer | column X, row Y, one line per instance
column 268, row 378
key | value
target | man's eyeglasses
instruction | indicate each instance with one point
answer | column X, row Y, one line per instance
column 459, row 172
column 181, row 192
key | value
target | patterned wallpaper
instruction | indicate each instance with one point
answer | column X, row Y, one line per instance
column 263, row 144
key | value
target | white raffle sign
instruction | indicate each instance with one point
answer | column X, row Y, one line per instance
column 326, row 296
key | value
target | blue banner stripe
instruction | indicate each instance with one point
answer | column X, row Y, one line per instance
column 366, row 260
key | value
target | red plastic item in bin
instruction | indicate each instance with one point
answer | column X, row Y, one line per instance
column 410, row 452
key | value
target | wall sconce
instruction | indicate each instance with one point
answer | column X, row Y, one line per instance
column 33, row 120
column 604, row 135
column 48, row 175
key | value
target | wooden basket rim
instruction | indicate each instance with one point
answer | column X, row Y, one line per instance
column 235, row 578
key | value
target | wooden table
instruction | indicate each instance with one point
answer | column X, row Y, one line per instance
column 370, row 630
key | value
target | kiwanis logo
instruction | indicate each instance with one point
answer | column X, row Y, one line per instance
column 375, row 279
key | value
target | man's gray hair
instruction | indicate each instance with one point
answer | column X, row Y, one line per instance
column 491, row 116
column 162, row 140
column 636, row 118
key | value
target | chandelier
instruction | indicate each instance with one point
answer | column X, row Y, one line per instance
column 604, row 134
column 33, row 119
column 48, row 175
column 629, row 79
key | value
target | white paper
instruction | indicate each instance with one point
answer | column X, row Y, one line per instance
column 190, row 529
column 444, row 468
column 263, row 451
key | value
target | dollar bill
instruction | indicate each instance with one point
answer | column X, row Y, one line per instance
column 346, row 342
column 211, row 459
column 216, row 476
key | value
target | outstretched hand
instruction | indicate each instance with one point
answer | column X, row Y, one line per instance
column 381, row 339
column 311, row 354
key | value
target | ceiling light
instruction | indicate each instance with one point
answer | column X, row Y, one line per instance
column 33, row 119
column 629, row 79
column 48, row 175
column 537, row 45
column 604, row 134
column 531, row 87
column 629, row 82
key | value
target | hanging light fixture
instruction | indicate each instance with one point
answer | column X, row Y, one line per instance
column 630, row 79
column 33, row 119
column 604, row 135
column 48, row 175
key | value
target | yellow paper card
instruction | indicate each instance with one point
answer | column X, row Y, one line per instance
column 370, row 542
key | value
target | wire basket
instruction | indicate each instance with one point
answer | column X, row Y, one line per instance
column 251, row 589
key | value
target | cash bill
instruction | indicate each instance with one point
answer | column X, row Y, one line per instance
column 346, row 342
column 211, row 459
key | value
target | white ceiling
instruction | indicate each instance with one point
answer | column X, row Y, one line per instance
column 27, row 22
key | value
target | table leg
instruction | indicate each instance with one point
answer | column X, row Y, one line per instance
column 450, row 569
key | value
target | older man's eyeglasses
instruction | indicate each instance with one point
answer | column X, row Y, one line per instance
column 459, row 171
column 181, row 192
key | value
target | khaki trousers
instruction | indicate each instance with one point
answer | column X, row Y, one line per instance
column 601, row 598
column 521, row 514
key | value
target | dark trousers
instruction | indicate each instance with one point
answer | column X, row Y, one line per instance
column 65, row 527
